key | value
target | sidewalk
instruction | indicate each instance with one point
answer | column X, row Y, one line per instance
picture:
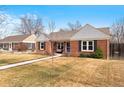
column 27, row 62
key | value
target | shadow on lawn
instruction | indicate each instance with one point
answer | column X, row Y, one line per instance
column 38, row 75
column 6, row 61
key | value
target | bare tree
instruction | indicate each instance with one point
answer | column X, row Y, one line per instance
column 30, row 24
column 118, row 35
column 74, row 27
column 51, row 27
column 118, row 31
column 3, row 22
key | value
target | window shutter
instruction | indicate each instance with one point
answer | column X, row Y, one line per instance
column 44, row 45
column 39, row 45
column 95, row 45
column 79, row 46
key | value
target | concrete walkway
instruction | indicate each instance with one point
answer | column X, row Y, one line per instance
column 27, row 62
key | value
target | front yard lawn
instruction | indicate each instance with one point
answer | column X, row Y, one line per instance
column 9, row 58
column 65, row 72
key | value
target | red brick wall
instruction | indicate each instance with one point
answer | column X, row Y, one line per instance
column 38, row 48
column 102, row 44
column 48, row 47
column 74, row 48
column 19, row 47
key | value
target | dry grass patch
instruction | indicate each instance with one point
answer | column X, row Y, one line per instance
column 9, row 58
column 66, row 72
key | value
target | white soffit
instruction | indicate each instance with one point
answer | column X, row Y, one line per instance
column 89, row 32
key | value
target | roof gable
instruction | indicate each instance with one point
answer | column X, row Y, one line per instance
column 42, row 37
column 105, row 30
column 89, row 32
column 30, row 39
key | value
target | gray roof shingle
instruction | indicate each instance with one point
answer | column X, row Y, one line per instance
column 61, row 35
column 66, row 35
column 16, row 38
column 105, row 30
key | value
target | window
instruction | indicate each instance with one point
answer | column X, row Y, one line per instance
column 29, row 45
column 90, row 47
column 68, row 46
column 87, row 46
column 14, row 45
column 84, row 45
column 41, row 45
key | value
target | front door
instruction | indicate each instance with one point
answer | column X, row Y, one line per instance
column 60, row 47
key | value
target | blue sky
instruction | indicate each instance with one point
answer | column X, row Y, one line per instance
column 99, row 16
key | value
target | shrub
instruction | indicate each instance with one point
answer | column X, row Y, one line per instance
column 83, row 55
column 21, row 47
column 98, row 54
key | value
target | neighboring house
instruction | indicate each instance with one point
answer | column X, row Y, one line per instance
column 85, row 40
column 17, row 43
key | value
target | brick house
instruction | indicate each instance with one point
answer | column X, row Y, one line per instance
column 18, row 43
column 85, row 40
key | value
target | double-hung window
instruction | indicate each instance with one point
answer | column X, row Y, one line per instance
column 42, row 45
column 87, row 46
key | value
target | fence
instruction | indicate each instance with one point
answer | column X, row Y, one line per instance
column 117, row 51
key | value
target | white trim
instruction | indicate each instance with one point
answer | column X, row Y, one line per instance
column 43, row 46
column 10, row 46
column 90, row 39
column 87, row 45
column 28, row 41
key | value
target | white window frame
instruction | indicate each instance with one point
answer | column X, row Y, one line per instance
column 43, row 46
column 87, row 45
